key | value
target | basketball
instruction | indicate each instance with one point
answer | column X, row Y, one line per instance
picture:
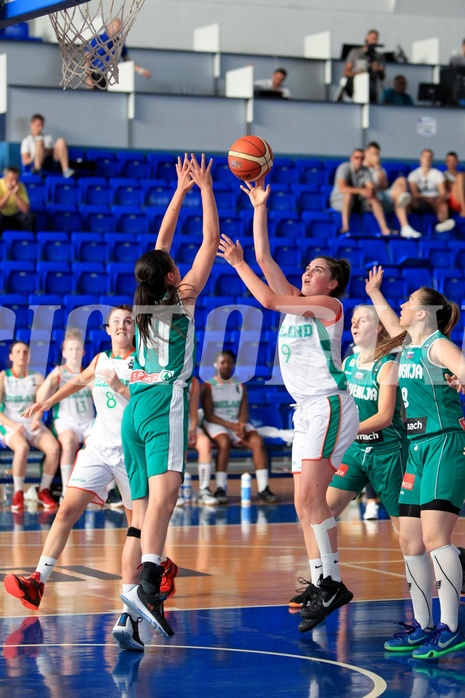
column 249, row 158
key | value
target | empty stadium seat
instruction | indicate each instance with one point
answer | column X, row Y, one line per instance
column 107, row 162
column 89, row 247
column 121, row 278
column 95, row 191
column 98, row 219
column 83, row 311
column 54, row 247
column 55, row 277
column 65, row 217
column 63, row 191
column 20, row 277
column 156, row 193
column 130, row 219
column 124, row 249
column 126, row 192
column 134, row 164
column 20, row 245
column 90, row 278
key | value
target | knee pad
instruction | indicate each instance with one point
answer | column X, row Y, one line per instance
column 133, row 532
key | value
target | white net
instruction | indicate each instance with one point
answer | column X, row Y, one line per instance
column 91, row 37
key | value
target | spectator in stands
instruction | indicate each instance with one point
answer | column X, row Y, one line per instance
column 393, row 198
column 429, row 194
column 102, row 45
column 15, row 212
column 397, row 94
column 273, row 84
column 455, row 184
column 40, row 152
column 18, row 388
column 354, row 190
column 225, row 407
column 367, row 59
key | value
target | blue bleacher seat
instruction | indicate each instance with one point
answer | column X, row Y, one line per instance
column 288, row 225
column 286, row 255
column 319, row 225
column 55, row 277
column 115, row 300
column 126, row 192
column 282, row 201
column 19, row 277
column 312, row 250
column 229, row 284
column 89, row 247
column 48, row 311
column 450, row 282
column 121, row 278
column 226, row 202
column 8, row 323
column 107, row 162
column 163, row 166
column 20, row 245
column 437, row 253
column 100, row 341
column 394, row 287
column 90, row 278
column 193, row 200
column 356, row 286
column 265, row 417
column 313, row 174
column 36, row 189
column 134, row 164
column 402, row 251
column 351, row 250
column 284, row 173
column 54, row 247
column 192, row 225
column 375, row 251
column 98, row 219
column 63, row 191
column 65, row 217
column 81, row 311
column 95, row 191
column 156, row 193
column 222, row 173
column 130, row 219
column 127, row 249
column 416, row 277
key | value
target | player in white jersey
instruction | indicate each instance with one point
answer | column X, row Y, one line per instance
column 18, row 388
column 326, row 419
column 226, row 412
column 74, row 415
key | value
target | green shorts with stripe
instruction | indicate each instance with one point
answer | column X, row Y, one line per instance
column 435, row 470
column 380, row 466
column 324, row 428
column 154, row 434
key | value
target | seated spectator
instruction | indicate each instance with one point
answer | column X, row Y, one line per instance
column 429, row 194
column 18, row 388
column 397, row 94
column 102, row 45
column 74, row 415
column 225, row 407
column 40, row 152
column 15, row 211
column 455, row 184
column 273, row 84
column 393, row 198
column 366, row 59
column 354, row 190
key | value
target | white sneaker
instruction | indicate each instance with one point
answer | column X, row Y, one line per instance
column 31, row 494
column 445, row 226
column 180, row 502
column 371, row 511
column 206, row 497
column 126, row 633
column 408, row 232
column 404, row 200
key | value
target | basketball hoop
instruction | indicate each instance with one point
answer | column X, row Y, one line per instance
column 88, row 57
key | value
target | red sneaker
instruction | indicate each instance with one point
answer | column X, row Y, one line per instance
column 29, row 590
column 17, row 503
column 46, row 499
column 170, row 571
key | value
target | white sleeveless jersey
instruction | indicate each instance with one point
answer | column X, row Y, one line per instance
column 106, row 429
column 19, row 393
column 310, row 357
column 226, row 397
column 76, row 409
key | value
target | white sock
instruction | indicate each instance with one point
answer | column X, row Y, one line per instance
column 329, row 558
column 65, row 475
column 45, row 567
column 18, row 483
column 420, row 583
column 46, row 481
column 448, row 573
column 221, row 480
column 149, row 557
column 205, row 473
column 126, row 588
column 262, row 479
column 316, row 570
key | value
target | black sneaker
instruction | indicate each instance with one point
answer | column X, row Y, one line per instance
column 305, row 594
column 462, row 562
column 331, row 595
column 114, row 499
column 150, row 607
column 221, row 496
column 267, row 496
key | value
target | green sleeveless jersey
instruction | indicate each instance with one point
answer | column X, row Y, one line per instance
column 169, row 356
column 431, row 405
column 364, row 387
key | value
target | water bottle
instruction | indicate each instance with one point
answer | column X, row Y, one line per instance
column 246, row 479
column 8, row 489
column 186, row 487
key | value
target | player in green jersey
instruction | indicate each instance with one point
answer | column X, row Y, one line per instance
column 433, row 487
column 155, row 426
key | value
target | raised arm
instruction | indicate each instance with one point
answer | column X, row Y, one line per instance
column 170, row 219
column 385, row 313
column 197, row 276
column 258, row 196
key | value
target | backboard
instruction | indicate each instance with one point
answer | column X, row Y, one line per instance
column 14, row 11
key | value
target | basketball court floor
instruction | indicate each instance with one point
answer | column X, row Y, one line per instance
column 234, row 633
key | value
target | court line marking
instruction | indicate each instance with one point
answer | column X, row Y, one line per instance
column 379, row 684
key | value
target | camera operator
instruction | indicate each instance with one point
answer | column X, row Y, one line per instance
column 367, row 59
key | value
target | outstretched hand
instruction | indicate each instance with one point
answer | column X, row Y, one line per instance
column 455, row 383
column 185, row 181
column 257, row 192
column 374, row 281
column 201, row 173
column 232, row 253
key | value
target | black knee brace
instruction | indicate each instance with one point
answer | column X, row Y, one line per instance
column 133, row 532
